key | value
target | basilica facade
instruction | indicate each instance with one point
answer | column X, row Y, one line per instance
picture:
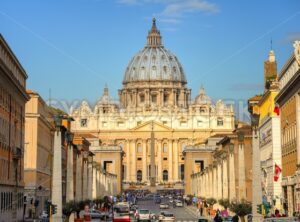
column 154, row 98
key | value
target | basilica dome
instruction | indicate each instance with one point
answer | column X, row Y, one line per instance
column 154, row 62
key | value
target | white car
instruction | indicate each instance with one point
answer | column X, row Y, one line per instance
column 164, row 206
column 143, row 214
column 178, row 203
column 166, row 216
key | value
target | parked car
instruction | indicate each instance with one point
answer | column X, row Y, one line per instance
column 166, row 216
column 96, row 214
column 227, row 219
column 164, row 206
column 202, row 219
column 143, row 214
column 178, row 203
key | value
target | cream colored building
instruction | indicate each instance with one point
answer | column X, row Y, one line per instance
column 154, row 97
column 228, row 174
column 288, row 99
column 38, row 153
column 12, row 113
column 269, row 136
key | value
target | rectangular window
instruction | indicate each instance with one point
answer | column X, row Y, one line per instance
column 139, row 158
column 83, row 122
column 142, row 98
column 199, row 123
column 104, row 124
column 154, row 98
column 165, row 158
column 183, row 123
column 220, row 122
column 121, row 124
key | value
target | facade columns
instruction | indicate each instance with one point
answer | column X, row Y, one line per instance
column 170, row 161
column 159, row 162
column 133, row 161
column 176, row 167
column 220, row 183
column 94, row 181
column 85, row 177
column 70, row 174
column 90, row 177
column 225, row 179
column 57, row 177
column 144, row 144
column 78, row 176
column 215, row 181
column 128, row 161
column 232, row 189
column 242, row 179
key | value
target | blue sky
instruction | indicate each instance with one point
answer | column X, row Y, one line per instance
column 74, row 47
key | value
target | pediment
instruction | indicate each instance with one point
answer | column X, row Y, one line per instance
column 147, row 126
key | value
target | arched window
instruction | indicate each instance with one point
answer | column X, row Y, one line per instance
column 139, row 175
column 165, row 175
column 165, row 148
column 139, row 148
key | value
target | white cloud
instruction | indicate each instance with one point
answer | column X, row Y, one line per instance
column 173, row 11
column 189, row 6
column 129, row 2
column 292, row 37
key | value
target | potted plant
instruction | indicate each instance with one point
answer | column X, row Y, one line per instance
column 68, row 209
column 78, row 207
column 241, row 209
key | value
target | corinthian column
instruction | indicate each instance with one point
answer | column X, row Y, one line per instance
column 175, row 144
column 57, row 177
column 94, row 180
column 128, row 153
column 78, row 176
column 242, row 180
column 90, row 177
column 133, row 161
column 215, row 182
column 232, row 188
column 144, row 161
column 220, row 183
column 225, row 179
column 170, row 161
column 159, row 165
column 85, row 176
column 70, row 174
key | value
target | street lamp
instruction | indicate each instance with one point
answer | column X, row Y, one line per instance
column 58, row 122
column 69, row 137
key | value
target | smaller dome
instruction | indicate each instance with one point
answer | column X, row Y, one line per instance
column 202, row 98
column 105, row 98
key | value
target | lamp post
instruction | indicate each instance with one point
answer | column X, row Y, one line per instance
column 57, row 169
column 256, row 180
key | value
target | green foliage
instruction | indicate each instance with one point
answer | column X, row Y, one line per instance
column 224, row 203
column 69, row 208
column 211, row 201
column 241, row 208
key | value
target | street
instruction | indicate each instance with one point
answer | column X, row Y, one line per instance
column 180, row 213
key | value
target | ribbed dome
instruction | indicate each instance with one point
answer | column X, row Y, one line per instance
column 154, row 62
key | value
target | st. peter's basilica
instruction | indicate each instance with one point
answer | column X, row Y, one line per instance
column 154, row 96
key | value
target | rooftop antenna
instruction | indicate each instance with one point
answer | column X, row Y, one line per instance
column 271, row 44
column 49, row 103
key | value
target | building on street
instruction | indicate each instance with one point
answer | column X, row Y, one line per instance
column 229, row 174
column 288, row 99
column 12, row 121
column 39, row 130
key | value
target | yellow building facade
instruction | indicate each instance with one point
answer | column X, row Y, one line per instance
column 38, row 154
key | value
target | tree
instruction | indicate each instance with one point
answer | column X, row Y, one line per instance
column 211, row 202
column 68, row 209
column 224, row 203
column 78, row 207
column 241, row 208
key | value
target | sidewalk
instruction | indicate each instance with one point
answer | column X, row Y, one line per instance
column 194, row 210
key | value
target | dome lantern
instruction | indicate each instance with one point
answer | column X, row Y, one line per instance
column 154, row 37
